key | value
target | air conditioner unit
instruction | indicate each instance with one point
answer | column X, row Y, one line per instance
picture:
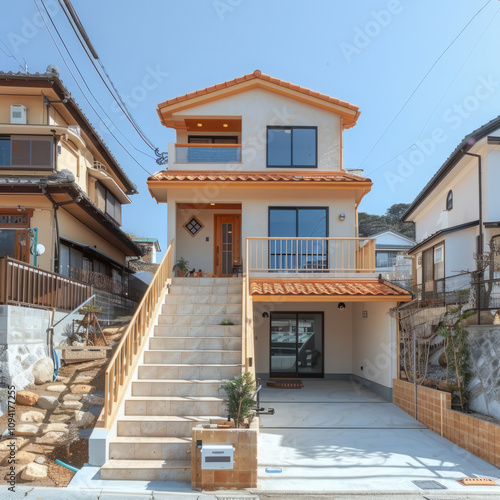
column 18, row 114
column 75, row 129
column 99, row 166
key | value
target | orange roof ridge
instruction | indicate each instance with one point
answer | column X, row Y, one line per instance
column 257, row 74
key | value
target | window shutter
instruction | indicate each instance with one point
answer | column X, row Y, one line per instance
column 101, row 197
column 21, row 152
column 41, row 153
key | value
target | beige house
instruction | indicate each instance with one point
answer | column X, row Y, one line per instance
column 61, row 189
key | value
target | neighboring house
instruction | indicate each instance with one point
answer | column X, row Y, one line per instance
column 61, row 189
column 256, row 183
column 149, row 247
column 457, row 214
column 391, row 248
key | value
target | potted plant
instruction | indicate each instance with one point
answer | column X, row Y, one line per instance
column 239, row 400
column 181, row 266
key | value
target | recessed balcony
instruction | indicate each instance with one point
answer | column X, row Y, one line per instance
column 207, row 153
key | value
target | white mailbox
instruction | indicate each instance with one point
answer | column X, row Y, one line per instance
column 217, row 456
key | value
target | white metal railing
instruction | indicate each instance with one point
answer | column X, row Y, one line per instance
column 303, row 255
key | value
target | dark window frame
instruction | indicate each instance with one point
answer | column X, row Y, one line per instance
column 449, row 200
column 30, row 137
column 232, row 137
column 291, row 127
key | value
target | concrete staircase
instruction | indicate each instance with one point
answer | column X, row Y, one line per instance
column 188, row 357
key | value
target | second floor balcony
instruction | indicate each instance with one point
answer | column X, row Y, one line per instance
column 207, row 153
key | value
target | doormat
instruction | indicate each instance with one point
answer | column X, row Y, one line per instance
column 429, row 485
column 285, row 383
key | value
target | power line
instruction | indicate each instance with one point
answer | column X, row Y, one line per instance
column 81, row 90
column 422, row 81
column 87, row 45
column 88, row 88
column 10, row 54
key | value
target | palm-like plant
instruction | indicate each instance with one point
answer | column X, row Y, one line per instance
column 239, row 401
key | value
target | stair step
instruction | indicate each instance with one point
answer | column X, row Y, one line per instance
column 205, row 289
column 174, row 405
column 182, row 388
column 198, row 319
column 201, row 309
column 198, row 343
column 149, row 448
column 221, row 299
column 207, row 281
column 192, row 371
column 147, row 470
column 189, row 357
column 198, row 331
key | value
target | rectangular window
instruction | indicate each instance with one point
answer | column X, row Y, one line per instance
column 26, row 152
column 292, row 147
column 108, row 203
column 298, row 222
column 386, row 259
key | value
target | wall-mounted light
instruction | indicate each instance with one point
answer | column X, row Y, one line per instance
column 341, row 305
column 199, row 124
column 342, row 217
column 225, row 125
column 265, row 314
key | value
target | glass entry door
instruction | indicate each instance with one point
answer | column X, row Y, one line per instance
column 296, row 345
column 227, row 244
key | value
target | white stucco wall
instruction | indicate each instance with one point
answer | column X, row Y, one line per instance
column 259, row 108
column 492, row 206
column 390, row 238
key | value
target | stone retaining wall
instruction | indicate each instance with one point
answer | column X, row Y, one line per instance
column 480, row 437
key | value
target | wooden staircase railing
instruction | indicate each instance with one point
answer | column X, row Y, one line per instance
column 247, row 341
column 122, row 365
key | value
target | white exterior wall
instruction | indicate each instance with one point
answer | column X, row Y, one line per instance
column 492, row 184
column 389, row 238
column 259, row 108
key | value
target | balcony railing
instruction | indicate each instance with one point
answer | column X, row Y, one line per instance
column 208, row 153
column 307, row 255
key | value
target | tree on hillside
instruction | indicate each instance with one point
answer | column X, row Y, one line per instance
column 370, row 224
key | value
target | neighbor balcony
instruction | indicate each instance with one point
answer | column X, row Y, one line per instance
column 207, row 153
column 342, row 257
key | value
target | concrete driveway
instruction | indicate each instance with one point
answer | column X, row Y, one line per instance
column 339, row 436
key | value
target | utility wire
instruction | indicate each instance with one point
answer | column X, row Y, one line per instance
column 86, row 44
column 422, row 81
column 10, row 54
column 81, row 90
column 90, row 91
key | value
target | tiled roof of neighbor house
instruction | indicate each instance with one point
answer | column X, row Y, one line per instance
column 64, row 93
column 467, row 142
column 326, row 287
column 227, row 176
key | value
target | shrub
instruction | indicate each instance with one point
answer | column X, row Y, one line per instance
column 226, row 321
column 239, row 401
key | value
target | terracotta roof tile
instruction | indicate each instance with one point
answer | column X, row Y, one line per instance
column 341, row 287
column 268, row 78
column 228, row 176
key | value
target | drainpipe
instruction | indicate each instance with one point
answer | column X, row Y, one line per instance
column 480, row 243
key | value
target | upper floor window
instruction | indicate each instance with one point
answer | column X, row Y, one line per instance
column 292, row 147
column 449, row 200
column 26, row 152
column 108, row 203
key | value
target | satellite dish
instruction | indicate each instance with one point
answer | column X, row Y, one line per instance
column 40, row 249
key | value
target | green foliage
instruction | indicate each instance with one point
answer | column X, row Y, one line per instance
column 458, row 359
column 239, row 401
column 226, row 321
column 463, row 292
column 455, row 309
column 467, row 314
column 370, row 224
column 90, row 308
column 181, row 265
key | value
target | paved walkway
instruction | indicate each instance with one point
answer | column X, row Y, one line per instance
column 339, row 436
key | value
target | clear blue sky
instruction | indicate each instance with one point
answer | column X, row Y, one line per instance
column 372, row 53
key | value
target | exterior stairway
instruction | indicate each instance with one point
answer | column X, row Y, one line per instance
column 182, row 368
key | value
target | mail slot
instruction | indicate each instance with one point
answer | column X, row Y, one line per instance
column 217, row 456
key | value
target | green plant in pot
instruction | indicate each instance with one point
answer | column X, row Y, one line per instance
column 239, row 398
column 181, row 266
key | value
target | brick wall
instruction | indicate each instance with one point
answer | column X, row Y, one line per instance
column 244, row 473
column 434, row 410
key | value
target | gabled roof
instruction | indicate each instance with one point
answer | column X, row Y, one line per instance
column 349, row 112
column 51, row 80
column 455, row 157
column 395, row 233
column 328, row 289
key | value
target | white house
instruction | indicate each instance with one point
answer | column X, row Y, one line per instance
column 457, row 214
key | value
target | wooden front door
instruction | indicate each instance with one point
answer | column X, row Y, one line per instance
column 227, row 244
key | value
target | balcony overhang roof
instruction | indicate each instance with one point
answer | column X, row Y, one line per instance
column 167, row 110
column 160, row 182
column 327, row 290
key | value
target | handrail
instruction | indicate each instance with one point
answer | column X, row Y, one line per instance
column 122, row 365
column 303, row 255
column 247, row 342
